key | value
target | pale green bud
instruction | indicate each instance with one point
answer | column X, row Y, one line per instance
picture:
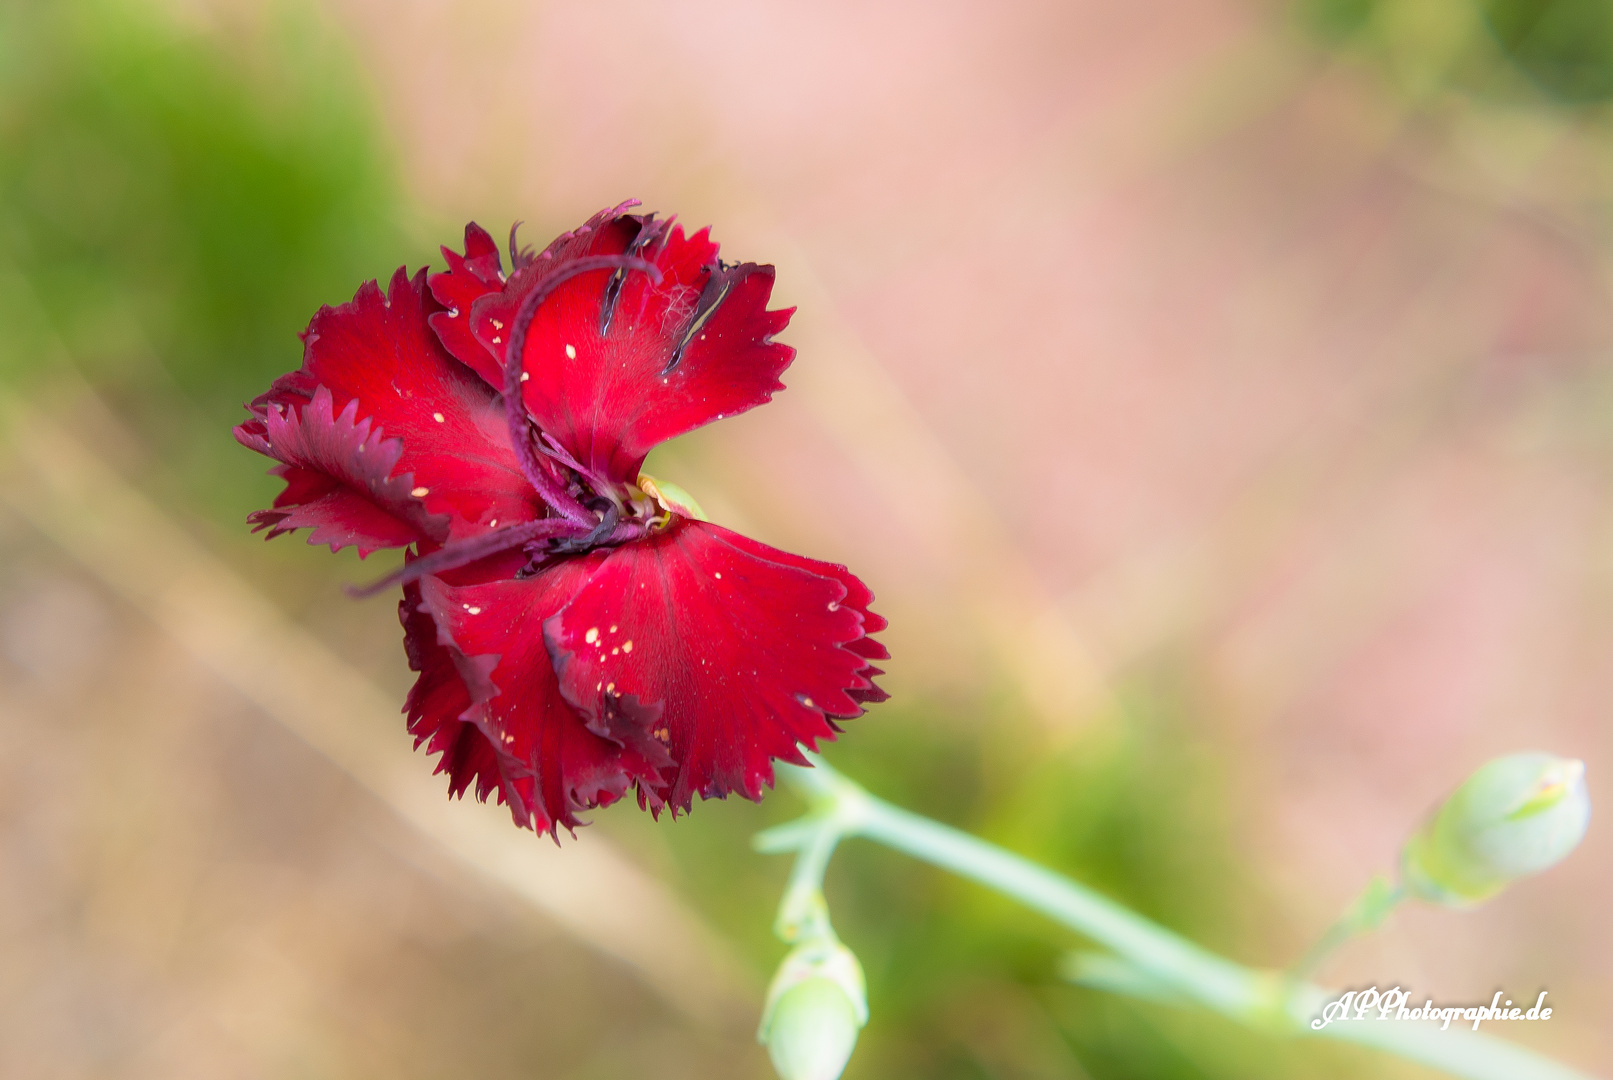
column 815, row 1008
column 1515, row 816
column 813, row 1030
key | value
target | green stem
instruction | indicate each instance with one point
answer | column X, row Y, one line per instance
column 1149, row 961
column 803, row 914
column 1195, row 972
column 1380, row 897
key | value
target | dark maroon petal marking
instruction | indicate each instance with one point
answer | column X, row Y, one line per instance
column 745, row 656
column 339, row 481
column 575, row 762
column 646, row 244
column 873, row 693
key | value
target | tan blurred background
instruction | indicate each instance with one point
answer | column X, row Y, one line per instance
column 1216, row 395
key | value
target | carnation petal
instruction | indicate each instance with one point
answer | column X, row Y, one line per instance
column 339, row 481
column 556, row 761
column 468, row 278
column 858, row 597
column 617, row 363
column 377, row 351
column 744, row 650
column 435, row 707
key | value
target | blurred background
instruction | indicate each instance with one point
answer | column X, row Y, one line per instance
column 1215, row 393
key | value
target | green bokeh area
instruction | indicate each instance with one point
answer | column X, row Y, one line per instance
column 174, row 205
column 173, row 208
column 962, row 983
column 1564, row 46
column 1559, row 51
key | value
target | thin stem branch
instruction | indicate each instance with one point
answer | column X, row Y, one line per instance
column 1149, row 961
column 1201, row 975
column 802, row 913
column 1367, row 913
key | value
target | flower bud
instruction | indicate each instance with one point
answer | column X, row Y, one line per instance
column 815, row 1008
column 813, row 1029
column 1515, row 816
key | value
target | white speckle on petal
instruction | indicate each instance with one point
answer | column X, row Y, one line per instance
column 571, row 352
column 497, row 340
column 497, row 325
column 474, row 610
column 627, row 646
column 420, row 492
column 525, row 375
column 592, row 635
column 437, row 416
column 718, row 575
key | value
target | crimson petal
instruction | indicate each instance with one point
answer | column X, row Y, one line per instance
column 379, row 351
column 480, row 271
column 858, row 597
column 435, row 705
column 617, row 363
column 468, row 278
column 553, row 761
column 744, row 649
column 339, row 481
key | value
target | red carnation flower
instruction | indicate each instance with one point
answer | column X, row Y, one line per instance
column 577, row 630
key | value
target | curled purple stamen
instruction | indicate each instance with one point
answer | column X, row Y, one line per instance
column 527, row 449
column 464, row 552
